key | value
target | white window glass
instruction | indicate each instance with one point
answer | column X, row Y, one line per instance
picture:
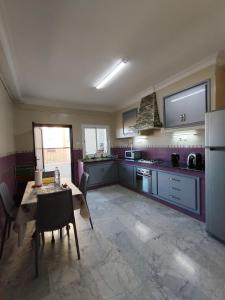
column 90, row 141
column 102, row 140
column 95, row 141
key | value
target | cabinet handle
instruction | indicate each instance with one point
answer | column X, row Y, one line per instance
column 183, row 117
column 176, row 189
column 174, row 179
column 174, row 197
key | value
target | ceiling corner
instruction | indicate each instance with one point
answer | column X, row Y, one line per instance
column 8, row 70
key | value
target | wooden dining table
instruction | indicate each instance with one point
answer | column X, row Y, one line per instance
column 27, row 210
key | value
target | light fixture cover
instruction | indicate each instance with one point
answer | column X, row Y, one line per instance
column 112, row 74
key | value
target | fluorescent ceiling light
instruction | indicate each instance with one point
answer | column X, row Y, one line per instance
column 189, row 95
column 112, row 74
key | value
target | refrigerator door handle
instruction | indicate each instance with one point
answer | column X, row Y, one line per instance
column 215, row 148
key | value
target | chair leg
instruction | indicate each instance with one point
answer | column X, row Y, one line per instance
column 89, row 214
column 36, row 253
column 68, row 229
column 76, row 239
column 53, row 239
column 60, row 230
column 43, row 238
column 9, row 228
column 91, row 222
column 3, row 237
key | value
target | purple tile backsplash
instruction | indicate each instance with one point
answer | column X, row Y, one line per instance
column 162, row 153
column 24, row 158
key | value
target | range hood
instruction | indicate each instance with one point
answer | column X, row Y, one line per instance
column 148, row 114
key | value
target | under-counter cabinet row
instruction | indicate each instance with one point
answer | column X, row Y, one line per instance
column 178, row 189
column 103, row 173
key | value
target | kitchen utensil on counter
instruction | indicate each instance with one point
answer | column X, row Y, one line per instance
column 194, row 161
column 175, row 157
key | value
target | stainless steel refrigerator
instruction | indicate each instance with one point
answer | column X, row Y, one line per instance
column 215, row 173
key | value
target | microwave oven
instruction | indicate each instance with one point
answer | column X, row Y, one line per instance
column 132, row 154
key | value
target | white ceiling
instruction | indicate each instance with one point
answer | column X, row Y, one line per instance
column 56, row 51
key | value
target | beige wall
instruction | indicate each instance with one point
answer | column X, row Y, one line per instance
column 165, row 137
column 26, row 114
column 220, row 87
column 6, row 123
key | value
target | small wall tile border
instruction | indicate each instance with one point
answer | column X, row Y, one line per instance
column 158, row 146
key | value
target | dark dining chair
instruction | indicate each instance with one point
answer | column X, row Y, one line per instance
column 10, row 211
column 47, row 174
column 54, row 211
column 83, row 188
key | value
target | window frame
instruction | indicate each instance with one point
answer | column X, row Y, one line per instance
column 84, row 126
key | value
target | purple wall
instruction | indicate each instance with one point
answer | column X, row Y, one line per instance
column 162, row 153
column 7, row 175
column 24, row 158
column 7, row 171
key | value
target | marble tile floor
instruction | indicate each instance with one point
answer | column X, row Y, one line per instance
column 139, row 250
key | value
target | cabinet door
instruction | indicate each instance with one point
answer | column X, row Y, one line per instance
column 183, row 191
column 179, row 190
column 163, row 185
column 186, row 107
column 129, row 120
column 126, row 175
column 96, row 174
column 102, row 173
column 154, row 183
column 110, row 172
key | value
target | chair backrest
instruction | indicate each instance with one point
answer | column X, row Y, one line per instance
column 83, row 183
column 54, row 210
column 7, row 201
column 47, row 174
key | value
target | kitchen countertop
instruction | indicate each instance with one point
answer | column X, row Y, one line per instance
column 167, row 166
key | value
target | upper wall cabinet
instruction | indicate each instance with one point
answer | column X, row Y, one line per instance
column 129, row 120
column 187, row 107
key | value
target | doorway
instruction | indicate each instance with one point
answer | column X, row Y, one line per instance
column 53, row 146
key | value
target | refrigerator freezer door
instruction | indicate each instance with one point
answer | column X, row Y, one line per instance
column 215, row 193
column 215, row 129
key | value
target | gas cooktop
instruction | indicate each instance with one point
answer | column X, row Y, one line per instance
column 151, row 161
